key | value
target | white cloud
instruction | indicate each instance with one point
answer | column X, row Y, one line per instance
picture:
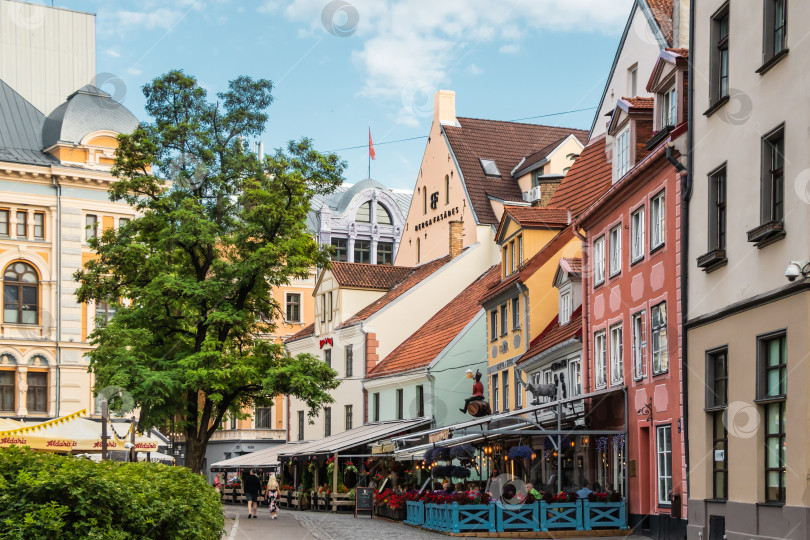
column 134, row 71
column 473, row 69
column 112, row 52
column 152, row 14
column 509, row 48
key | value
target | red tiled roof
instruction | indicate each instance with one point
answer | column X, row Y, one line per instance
column 422, row 347
column 368, row 276
column 306, row 332
column 574, row 264
column 499, row 286
column 680, row 52
column 640, row 102
column 414, row 276
column 529, row 216
column 504, row 142
column 663, row 11
column 554, row 334
column 588, row 178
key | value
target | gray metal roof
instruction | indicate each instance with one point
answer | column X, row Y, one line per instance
column 20, row 129
column 85, row 111
column 342, row 196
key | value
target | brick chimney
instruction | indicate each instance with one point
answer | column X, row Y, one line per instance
column 456, row 238
column 444, row 108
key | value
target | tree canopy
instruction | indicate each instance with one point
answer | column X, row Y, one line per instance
column 192, row 276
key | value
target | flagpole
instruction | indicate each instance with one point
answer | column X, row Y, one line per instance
column 369, row 150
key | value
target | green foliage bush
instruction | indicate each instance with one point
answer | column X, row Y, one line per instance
column 44, row 496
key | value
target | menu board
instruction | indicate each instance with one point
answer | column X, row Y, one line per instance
column 364, row 501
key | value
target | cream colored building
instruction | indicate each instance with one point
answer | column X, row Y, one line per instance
column 747, row 325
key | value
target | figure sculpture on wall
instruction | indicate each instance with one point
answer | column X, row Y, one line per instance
column 538, row 390
column 475, row 404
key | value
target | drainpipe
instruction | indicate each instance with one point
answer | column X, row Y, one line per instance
column 365, row 372
column 58, row 189
column 525, row 292
column 586, row 379
column 431, row 380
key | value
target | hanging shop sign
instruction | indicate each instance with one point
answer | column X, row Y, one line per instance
column 326, row 341
column 442, row 435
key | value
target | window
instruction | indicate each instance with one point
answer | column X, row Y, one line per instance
column 323, row 308
column 575, row 377
column 122, row 222
column 773, row 176
column 495, row 397
column 37, row 395
column 420, row 401
column 512, row 263
column 772, row 368
column 600, row 359
column 7, row 390
column 518, row 391
column 639, row 365
column 22, row 225
column 537, row 176
column 20, row 294
column 616, row 352
column 418, row 250
column 234, row 422
column 504, row 319
column 91, row 224
column 633, row 81
column 104, row 312
column 341, row 250
column 565, row 308
column 772, row 388
column 263, row 418
column 327, row 357
column 719, row 55
column 775, row 464
column 376, row 408
column 362, row 251
column 490, row 167
column 300, row 425
column 364, row 213
column 664, row 451
column 637, row 235
column 424, row 200
column 669, row 108
column 720, row 457
column 621, row 153
column 293, row 307
column 39, row 225
column 327, row 421
column 717, row 209
column 515, row 313
column 383, row 215
column 385, row 253
column 717, row 378
column 330, row 308
column 349, row 418
column 349, row 361
column 615, row 250
column 520, row 249
column 505, row 260
column 775, row 32
column 657, row 215
column 446, row 189
column 505, row 383
column 599, row 260
column 493, row 325
column 400, row 403
column 4, row 223
column 660, row 354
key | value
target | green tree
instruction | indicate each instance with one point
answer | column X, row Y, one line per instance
column 192, row 276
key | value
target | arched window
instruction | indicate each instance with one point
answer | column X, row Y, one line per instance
column 446, row 189
column 383, row 215
column 364, row 213
column 20, row 294
column 418, row 249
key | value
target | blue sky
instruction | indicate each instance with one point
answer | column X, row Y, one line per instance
column 339, row 67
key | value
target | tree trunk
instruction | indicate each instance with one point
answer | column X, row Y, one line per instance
column 195, row 452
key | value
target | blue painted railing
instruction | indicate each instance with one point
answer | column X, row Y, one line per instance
column 603, row 514
column 514, row 517
column 472, row 517
column 560, row 515
column 415, row 513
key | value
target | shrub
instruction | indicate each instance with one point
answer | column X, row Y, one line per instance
column 50, row 496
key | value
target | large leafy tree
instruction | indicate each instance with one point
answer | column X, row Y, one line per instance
column 192, row 276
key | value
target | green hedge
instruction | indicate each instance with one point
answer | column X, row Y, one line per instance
column 47, row 496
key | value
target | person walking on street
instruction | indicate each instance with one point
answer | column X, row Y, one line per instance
column 252, row 488
column 272, row 496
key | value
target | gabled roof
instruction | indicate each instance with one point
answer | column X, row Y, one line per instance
column 340, row 199
column 424, row 345
column 664, row 11
column 535, row 160
column 533, row 217
column 587, row 179
column 555, row 334
column 21, row 130
column 679, row 58
column 414, row 276
column 506, row 143
column 636, row 103
column 570, row 267
column 301, row 334
column 368, row 276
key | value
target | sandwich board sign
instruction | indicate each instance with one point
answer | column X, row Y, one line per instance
column 364, row 501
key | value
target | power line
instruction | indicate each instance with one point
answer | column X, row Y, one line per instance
column 425, row 136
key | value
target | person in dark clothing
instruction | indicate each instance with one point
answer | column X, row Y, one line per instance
column 252, row 488
column 477, row 392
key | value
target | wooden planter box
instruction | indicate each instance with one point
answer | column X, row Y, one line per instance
column 604, row 514
column 560, row 515
column 472, row 517
column 518, row 517
column 415, row 513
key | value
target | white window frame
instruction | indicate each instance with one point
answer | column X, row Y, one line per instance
column 663, row 450
column 565, row 307
column 496, row 399
column 616, row 354
column 669, row 107
column 621, row 153
column 600, row 358
column 615, row 250
column 658, row 336
column 639, row 344
column 599, row 260
column 657, row 220
column 575, row 377
column 637, row 235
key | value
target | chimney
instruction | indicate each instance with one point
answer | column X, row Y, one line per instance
column 444, row 108
column 456, row 238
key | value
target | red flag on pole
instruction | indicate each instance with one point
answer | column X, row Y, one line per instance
column 371, row 153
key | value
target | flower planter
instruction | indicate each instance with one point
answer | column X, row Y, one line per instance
column 556, row 515
column 472, row 517
column 604, row 514
column 518, row 517
column 437, row 517
column 415, row 513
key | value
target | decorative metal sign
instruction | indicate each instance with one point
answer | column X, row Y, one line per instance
column 442, row 216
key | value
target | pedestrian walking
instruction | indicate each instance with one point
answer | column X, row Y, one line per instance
column 253, row 487
column 272, row 496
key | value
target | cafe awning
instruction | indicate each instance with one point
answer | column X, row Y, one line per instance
column 353, row 438
column 266, row 458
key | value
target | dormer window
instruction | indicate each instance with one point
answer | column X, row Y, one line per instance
column 537, row 176
column 490, row 167
column 565, row 307
column 621, row 153
column 669, row 108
